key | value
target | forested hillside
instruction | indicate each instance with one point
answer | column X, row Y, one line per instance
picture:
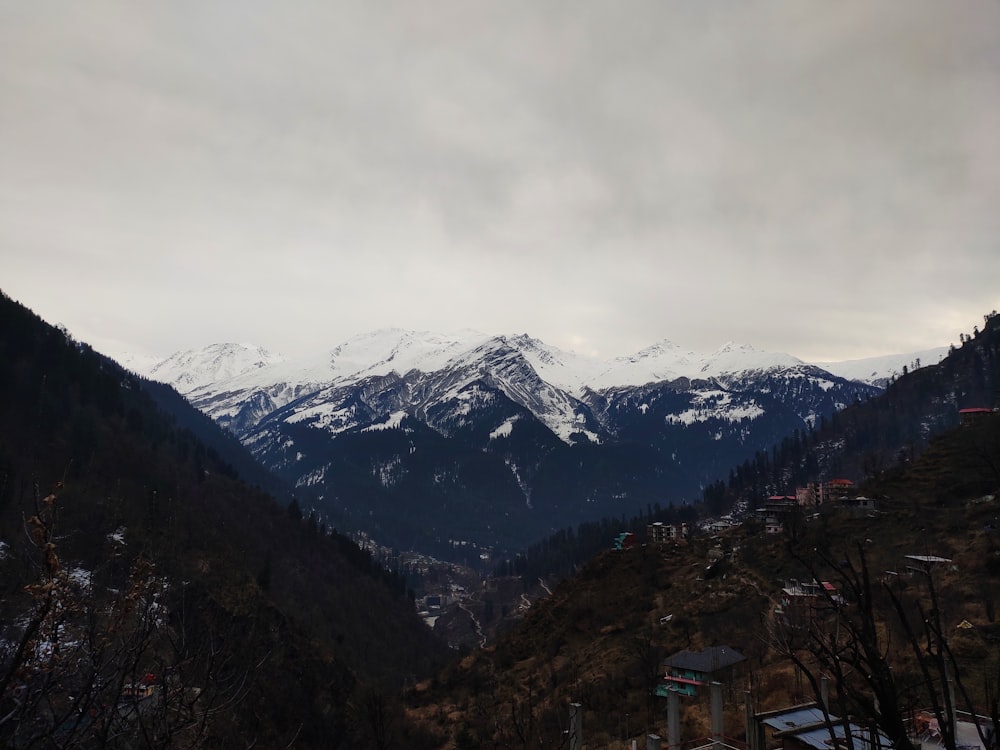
column 902, row 627
column 874, row 438
column 150, row 598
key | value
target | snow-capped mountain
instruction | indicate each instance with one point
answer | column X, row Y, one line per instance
column 500, row 438
column 240, row 385
column 216, row 363
column 141, row 364
column 394, row 349
column 880, row 371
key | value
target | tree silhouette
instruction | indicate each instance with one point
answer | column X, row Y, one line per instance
column 857, row 632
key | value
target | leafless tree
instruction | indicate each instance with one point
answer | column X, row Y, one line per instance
column 97, row 669
column 858, row 634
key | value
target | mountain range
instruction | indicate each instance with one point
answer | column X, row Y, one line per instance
column 439, row 442
column 253, row 623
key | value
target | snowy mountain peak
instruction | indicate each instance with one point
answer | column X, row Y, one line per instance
column 192, row 369
column 661, row 348
column 240, row 384
column 538, row 351
column 525, row 340
column 403, row 411
column 732, row 346
column 398, row 350
column 732, row 357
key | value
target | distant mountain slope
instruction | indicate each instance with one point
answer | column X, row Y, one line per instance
column 880, row 371
column 435, row 440
column 876, row 437
column 276, row 627
column 224, row 444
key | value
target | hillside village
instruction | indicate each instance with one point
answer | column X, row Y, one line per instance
column 725, row 594
column 473, row 611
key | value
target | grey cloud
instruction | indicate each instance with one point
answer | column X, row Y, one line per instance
column 602, row 174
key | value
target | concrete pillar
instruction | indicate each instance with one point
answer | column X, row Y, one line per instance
column 952, row 715
column 673, row 720
column 717, row 727
column 754, row 741
column 575, row 726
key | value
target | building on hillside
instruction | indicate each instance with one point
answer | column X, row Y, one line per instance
column 857, row 506
column 781, row 499
column 924, row 564
column 808, row 727
column 811, row 495
column 144, row 688
column 837, row 489
column 776, row 512
column 802, row 605
column 927, row 735
column 661, row 533
column 973, row 414
column 718, row 526
column 625, row 540
column 686, row 671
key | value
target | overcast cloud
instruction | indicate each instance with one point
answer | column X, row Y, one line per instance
column 816, row 178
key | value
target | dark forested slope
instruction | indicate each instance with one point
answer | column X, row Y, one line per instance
column 148, row 597
column 869, row 439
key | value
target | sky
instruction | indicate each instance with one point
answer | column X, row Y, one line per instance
column 815, row 178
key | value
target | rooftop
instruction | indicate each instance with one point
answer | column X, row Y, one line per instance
column 707, row 661
column 807, row 725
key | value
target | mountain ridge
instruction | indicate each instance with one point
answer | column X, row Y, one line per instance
column 590, row 371
column 555, row 386
column 496, row 440
column 563, row 382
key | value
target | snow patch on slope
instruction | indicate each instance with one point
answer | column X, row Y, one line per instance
column 504, row 430
column 715, row 405
column 392, row 422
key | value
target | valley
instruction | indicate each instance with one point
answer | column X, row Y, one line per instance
column 427, row 441
column 251, row 616
column 465, row 606
column 500, row 375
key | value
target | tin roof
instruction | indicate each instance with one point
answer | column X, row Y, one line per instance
column 794, row 718
column 807, row 726
column 819, row 737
